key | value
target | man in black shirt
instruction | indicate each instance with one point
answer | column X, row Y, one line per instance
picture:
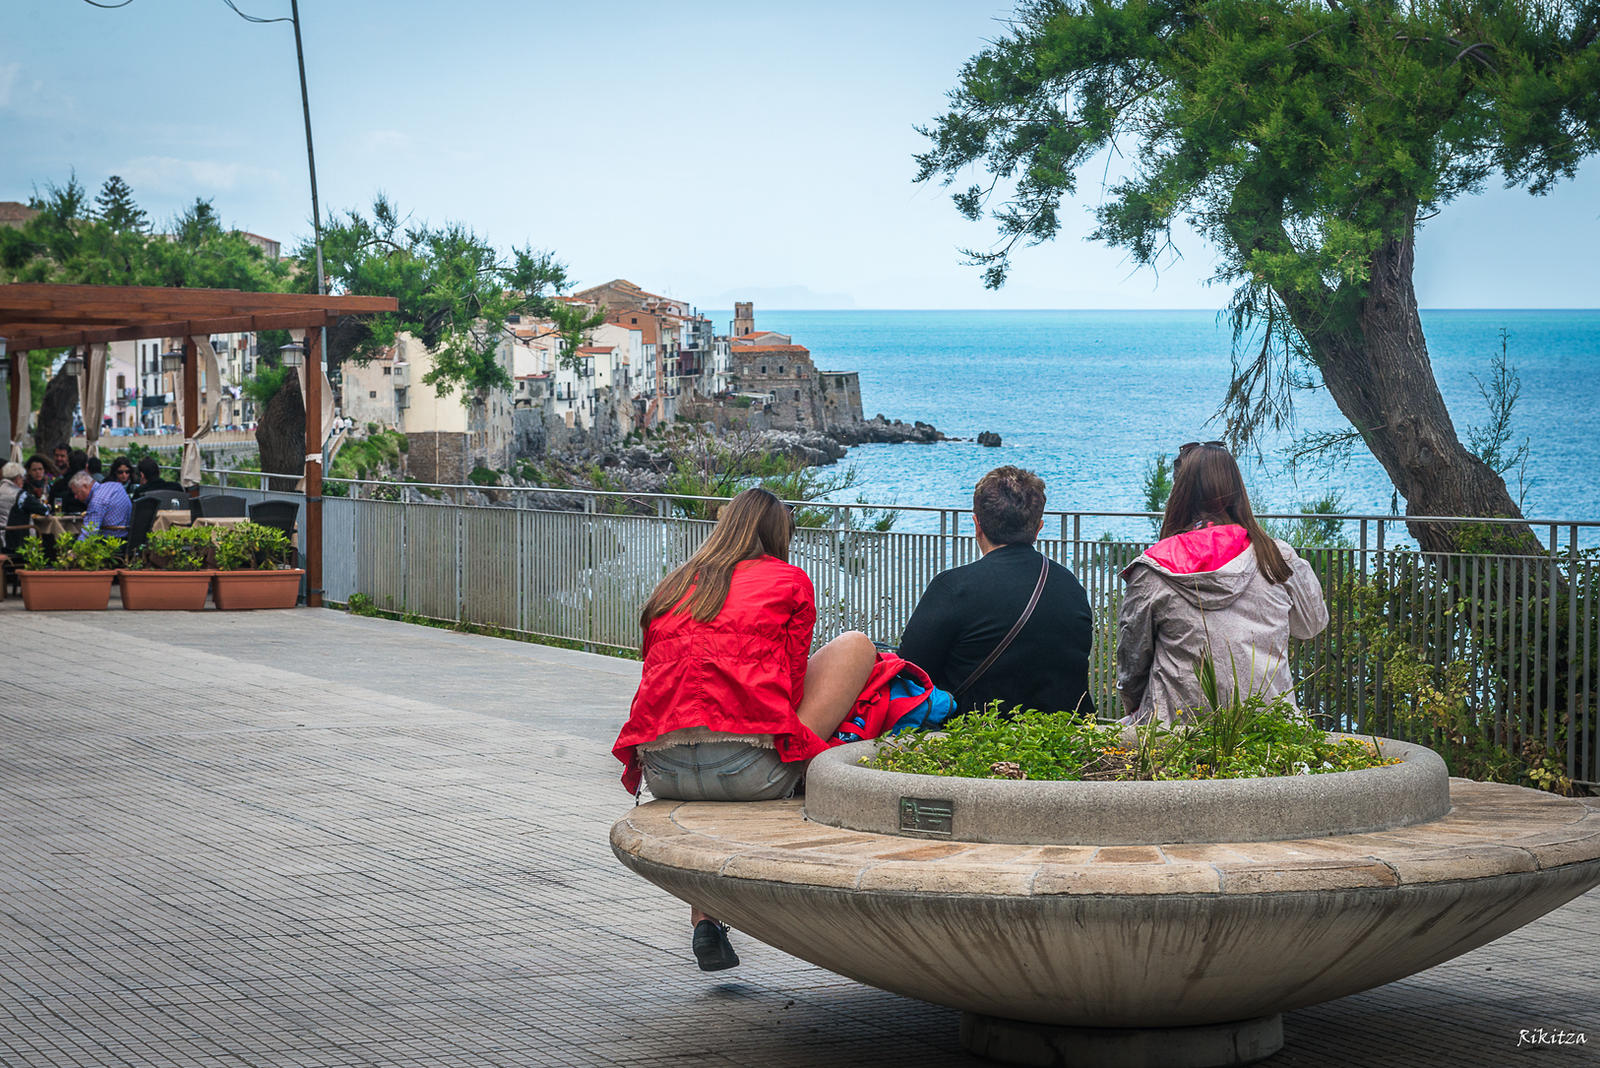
column 966, row 612
column 150, row 480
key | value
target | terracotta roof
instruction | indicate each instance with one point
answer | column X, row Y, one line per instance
column 596, row 348
column 12, row 211
column 774, row 348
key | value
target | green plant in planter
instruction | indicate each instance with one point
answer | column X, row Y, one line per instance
column 94, row 552
column 34, row 555
column 1246, row 737
column 252, row 547
column 178, row 549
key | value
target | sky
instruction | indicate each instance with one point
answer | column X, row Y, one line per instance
column 712, row 151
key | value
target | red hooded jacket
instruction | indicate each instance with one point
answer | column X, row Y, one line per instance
column 742, row 672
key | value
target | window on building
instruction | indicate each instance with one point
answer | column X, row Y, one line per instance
column 372, row 393
column 388, row 370
column 763, row 368
column 122, row 382
column 797, row 394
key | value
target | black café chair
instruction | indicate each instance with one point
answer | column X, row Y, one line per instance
column 220, row 505
column 144, row 516
column 281, row 514
column 168, row 500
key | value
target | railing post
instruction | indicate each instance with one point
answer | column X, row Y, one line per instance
column 593, row 571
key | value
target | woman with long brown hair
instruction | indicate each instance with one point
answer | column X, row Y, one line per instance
column 1216, row 585
column 731, row 703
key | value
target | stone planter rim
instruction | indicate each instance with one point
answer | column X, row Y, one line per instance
column 842, row 793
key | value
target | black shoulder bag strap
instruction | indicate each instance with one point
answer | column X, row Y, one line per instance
column 1016, row 628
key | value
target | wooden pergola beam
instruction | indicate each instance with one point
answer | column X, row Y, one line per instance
column 165, row 302
column 230, row 324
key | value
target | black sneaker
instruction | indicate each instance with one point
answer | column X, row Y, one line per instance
column 711, row 947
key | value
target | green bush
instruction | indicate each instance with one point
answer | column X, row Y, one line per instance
column 93, row 552
column 178, row 548
column 252, row 546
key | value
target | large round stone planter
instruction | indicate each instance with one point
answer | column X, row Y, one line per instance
column 1124, row 923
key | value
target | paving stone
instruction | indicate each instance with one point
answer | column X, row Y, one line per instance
column 302, row 838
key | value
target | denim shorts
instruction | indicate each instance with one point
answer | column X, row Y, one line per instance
column 719, row 771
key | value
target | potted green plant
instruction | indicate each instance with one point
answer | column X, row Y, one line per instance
column 171, row 573
column 76, row 578
column 253, row 568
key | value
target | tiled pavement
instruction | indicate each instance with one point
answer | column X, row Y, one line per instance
column 302, row 838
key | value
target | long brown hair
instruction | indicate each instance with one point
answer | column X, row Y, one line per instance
column 1208, row 488
column 752, row 525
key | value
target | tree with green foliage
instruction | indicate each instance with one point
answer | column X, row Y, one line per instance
column 116, row 208
column 72, row 241
column 69, row 241
column 456, row 294
column 1307, row 141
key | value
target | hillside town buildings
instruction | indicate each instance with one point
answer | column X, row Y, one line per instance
column 652, row 360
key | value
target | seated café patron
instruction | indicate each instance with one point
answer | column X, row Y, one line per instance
column 150, row 478
column 107, row 507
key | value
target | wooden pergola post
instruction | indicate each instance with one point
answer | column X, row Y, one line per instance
column 313, row 468
column 191, row 397
column 19, row 367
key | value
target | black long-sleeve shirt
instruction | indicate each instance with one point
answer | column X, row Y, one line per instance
column 965, row 612
column 23, row 509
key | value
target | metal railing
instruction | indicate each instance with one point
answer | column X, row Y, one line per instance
column 1414, row 637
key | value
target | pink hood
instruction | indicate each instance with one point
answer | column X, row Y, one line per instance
column 1196, row 551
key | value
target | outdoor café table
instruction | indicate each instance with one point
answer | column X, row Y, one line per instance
column 217, row 520
column 168, row 518
column 54, row 526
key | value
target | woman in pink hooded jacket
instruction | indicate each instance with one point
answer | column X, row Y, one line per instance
column 1217, row 584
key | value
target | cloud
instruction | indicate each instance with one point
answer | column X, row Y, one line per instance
column 33, row 98
column 167, row 174
column 786, row 298
column 387, row 141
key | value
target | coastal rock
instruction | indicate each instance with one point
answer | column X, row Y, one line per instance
column 989, row 438
column 881, row 431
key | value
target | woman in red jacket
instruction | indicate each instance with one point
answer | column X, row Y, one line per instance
column 731, row 706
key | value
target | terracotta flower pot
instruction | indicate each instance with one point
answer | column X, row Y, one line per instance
column 179, row 591
column 258, row 589
column 66, row 591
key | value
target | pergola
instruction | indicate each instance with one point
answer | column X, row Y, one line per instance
column 45, row 316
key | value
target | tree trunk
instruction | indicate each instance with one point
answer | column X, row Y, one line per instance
column 281, row 435
column 1378, row 371
column 55, row 413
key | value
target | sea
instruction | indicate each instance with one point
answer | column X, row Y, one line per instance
column 1088, row 399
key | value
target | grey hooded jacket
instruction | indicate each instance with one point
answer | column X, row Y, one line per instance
column 1168, row 620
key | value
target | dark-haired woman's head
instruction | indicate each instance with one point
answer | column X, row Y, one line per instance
column 752, row 525
column 121, row 470
column 1208, row 488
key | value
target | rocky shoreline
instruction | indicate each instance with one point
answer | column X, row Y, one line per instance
column 644, row 465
